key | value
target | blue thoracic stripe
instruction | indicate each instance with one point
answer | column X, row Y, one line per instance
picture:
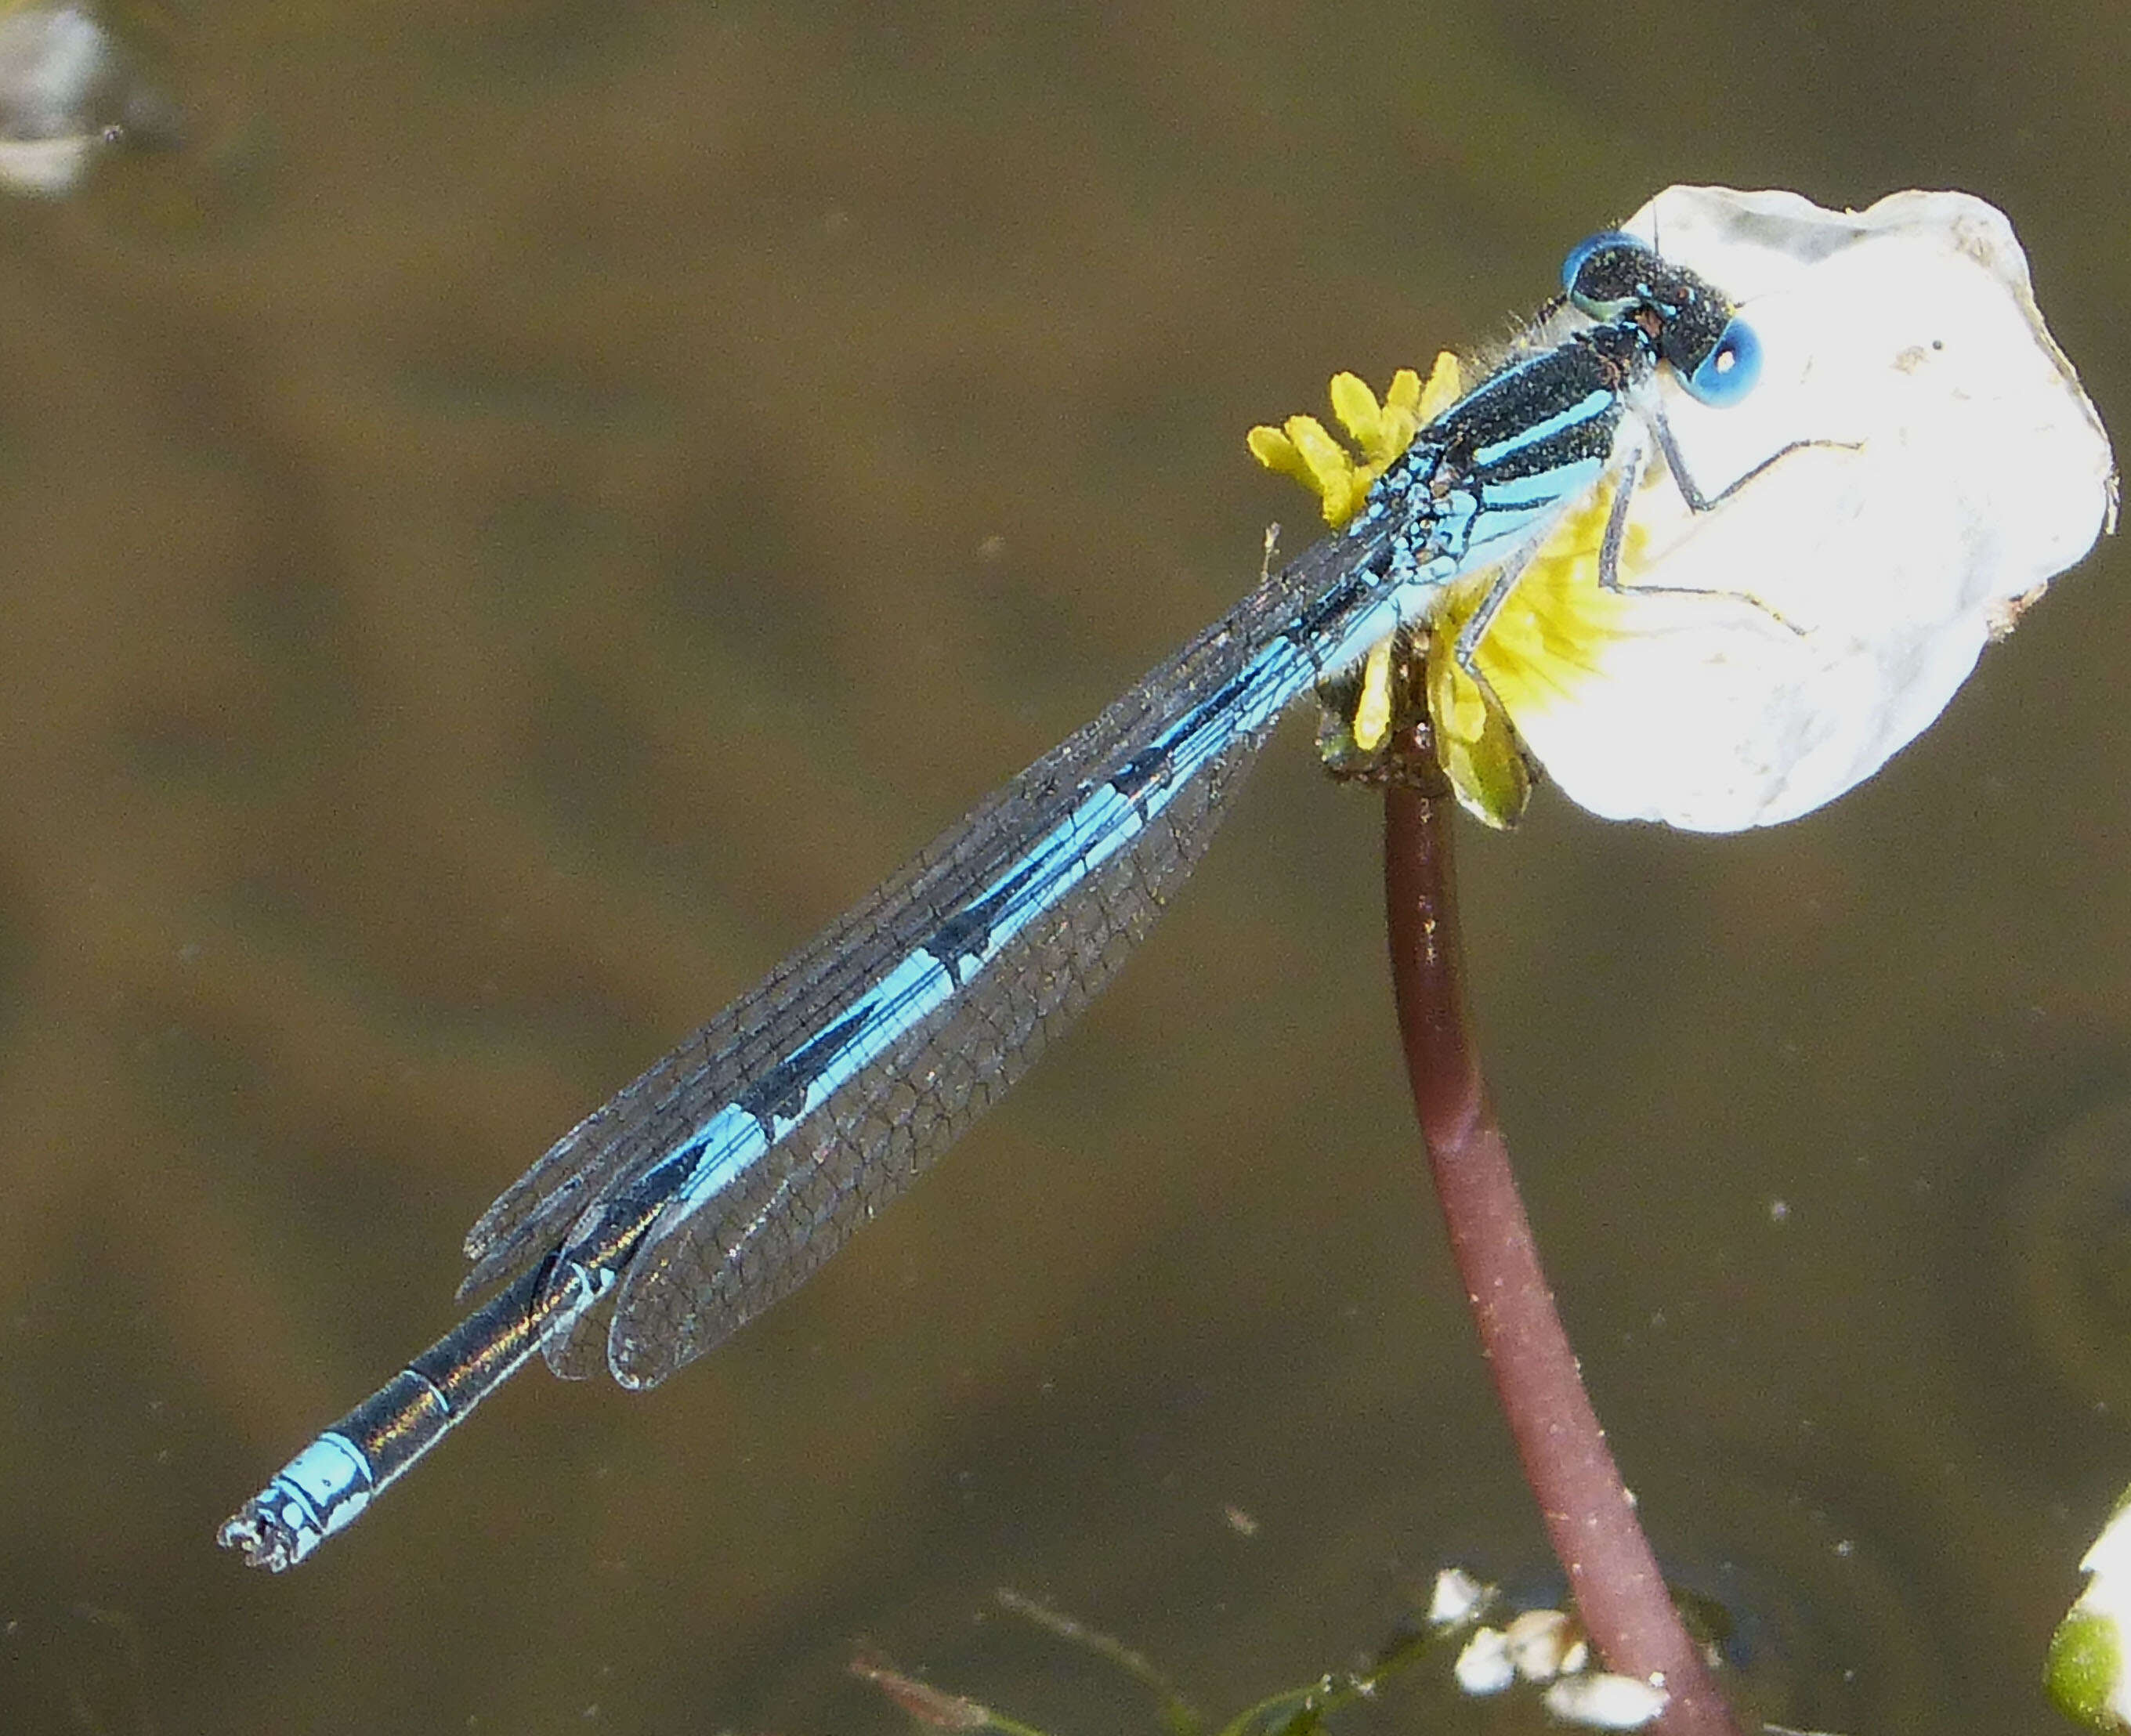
column 715, row 1183
column 1514, row 501
column 1594, row 406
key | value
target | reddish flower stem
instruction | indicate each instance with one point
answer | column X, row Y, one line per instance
column 1620, row 1594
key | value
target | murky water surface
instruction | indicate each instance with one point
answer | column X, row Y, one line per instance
column 529, row 509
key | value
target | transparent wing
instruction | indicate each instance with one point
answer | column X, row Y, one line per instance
column 690, row 1271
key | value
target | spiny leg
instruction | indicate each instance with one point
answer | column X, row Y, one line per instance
column 1478, row 624
column 1697, row 502
column 1466, row 650
column 1616, row 527
column 1611, row 545
column 1690, row 491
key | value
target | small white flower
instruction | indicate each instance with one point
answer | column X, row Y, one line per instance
column 1823, row 615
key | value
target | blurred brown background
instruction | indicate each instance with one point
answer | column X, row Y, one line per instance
column 531, row 508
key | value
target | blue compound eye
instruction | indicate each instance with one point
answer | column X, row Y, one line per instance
column 1727, row 373
column 1593, row 276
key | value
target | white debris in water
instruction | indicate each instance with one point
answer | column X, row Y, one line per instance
column 68, row 92
column 1458, row 1597
column 1484, row 1666
column 1599, row 1701
column 1544, row 1644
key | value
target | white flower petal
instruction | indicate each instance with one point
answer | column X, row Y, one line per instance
column 1825, row 614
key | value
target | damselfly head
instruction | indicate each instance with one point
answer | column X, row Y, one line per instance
column 1614, row 275
column 1609, row 274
